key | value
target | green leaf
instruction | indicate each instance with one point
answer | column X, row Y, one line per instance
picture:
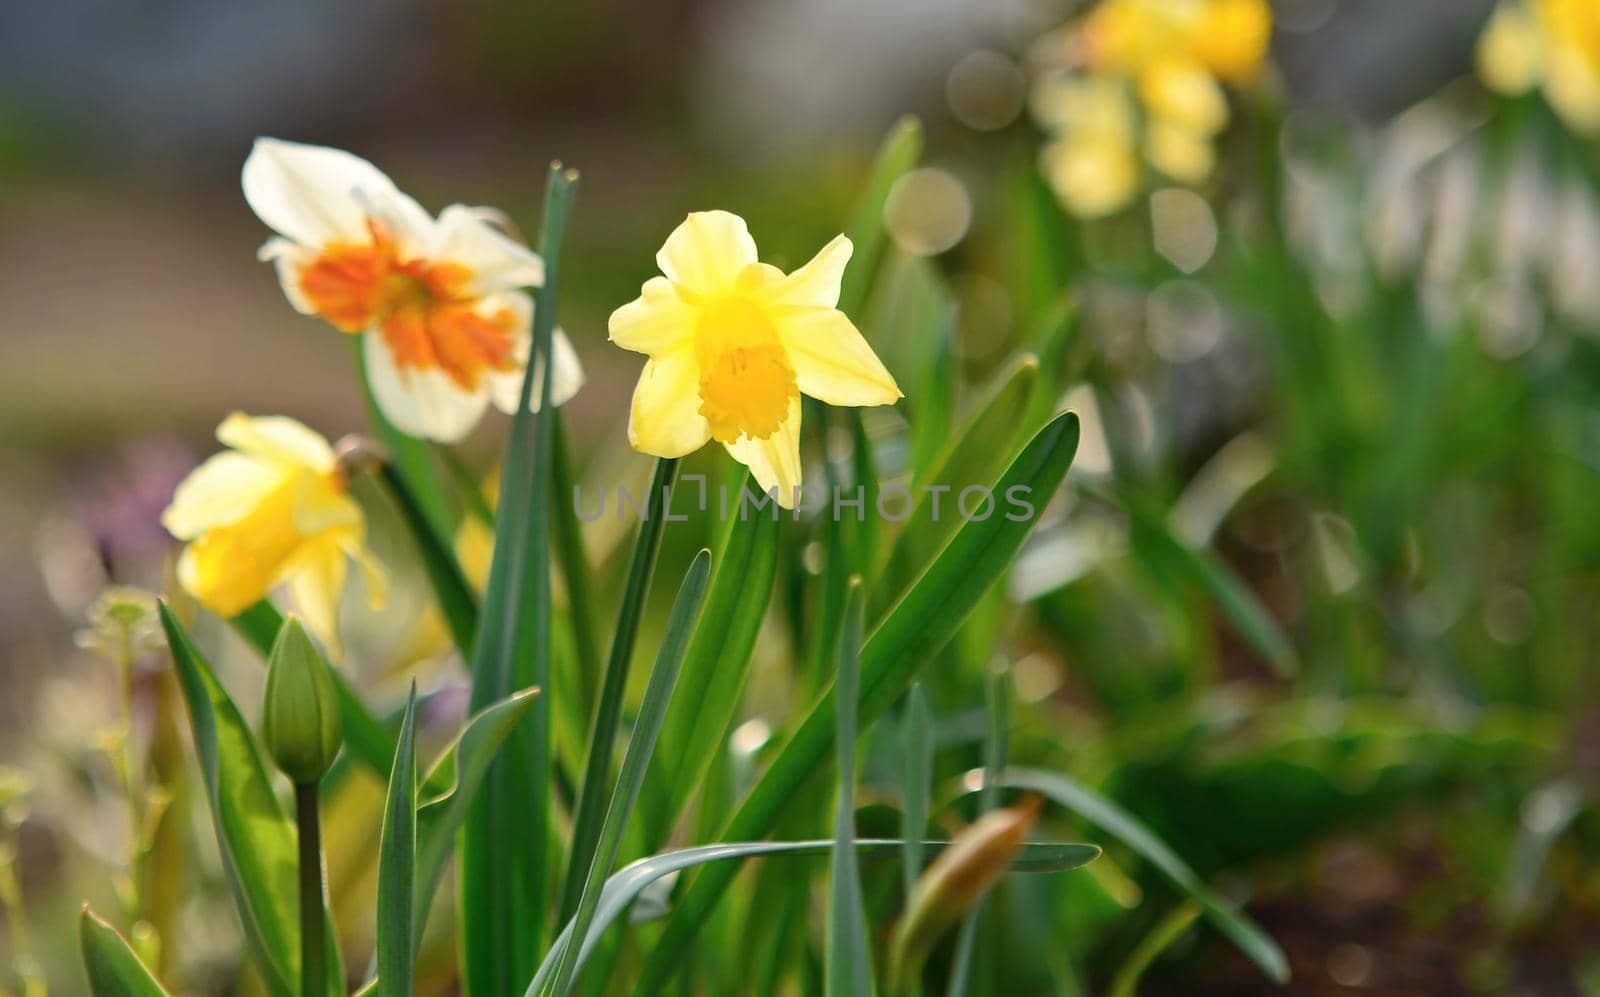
column 1168, row 930
column 114, row 970
column 706, row 704
column 669, row 658
column 574, row 564
column 912, row 632
column 608, row 713
column 1256, row 944
column 397, row 862
column 365, row 735
column 448, row 791
column 504, row 844
column 256, row 839
column 621, row 889
column 899, row 153
column 847, row 958
column 987, row 440
column 918, row 781
column 457, row 603
column 996, row 746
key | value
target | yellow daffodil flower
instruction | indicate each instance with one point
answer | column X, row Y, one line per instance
column 734, row 342
column 438, row 301
column 1550, row 44
column 1142, row 75
column 272, row 509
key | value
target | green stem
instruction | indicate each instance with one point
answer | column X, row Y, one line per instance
column 608, row 711
column 313, row 958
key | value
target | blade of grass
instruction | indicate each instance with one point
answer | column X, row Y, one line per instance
column 397, row 863
column 847, row 957
column 113, row 968
column 574, row 564
column 255, row 837
column 636, row 762
column 626, row 885
column 918, row 781
column 504, row 844
column 1256, row 944
column 365, row 736
column 706, row 703
column 457, row 603
column 912, row 632
column 608, row 712
column 901, row 149
column 995, row 748
column 1168, row 930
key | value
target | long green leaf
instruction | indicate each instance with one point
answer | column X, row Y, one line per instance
column 364, row 734
column 622, row 888
column 1168, row 930
column 706, row 703
column 847, row 958
column 996, row 746
column 912, row 632
column 397, row 862
column 504, row 845
column 457, row 603
column 899, row 153
column 669, row 658
column 1256, row 944
column 113, row 967
column 918, row 781
column 574, row 564
column 608, row 712
column 256, row 839
column 449, row 789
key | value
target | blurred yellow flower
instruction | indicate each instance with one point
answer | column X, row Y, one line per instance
column 1150, row 69
column 1550, row 44
column 272, row 509
column 734, row 342
column 439, row 301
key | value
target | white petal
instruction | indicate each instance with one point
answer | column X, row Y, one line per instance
column 313, row 195
column 775, row 461
column 422, row 403
column 498, row 263
column 707, row 252
column 289, row 258
column 505, row 389
column 277, row 438
column 220, row 492
column 665, row 418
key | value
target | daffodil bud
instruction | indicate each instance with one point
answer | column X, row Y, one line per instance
column 955, row 881
column 300, row 718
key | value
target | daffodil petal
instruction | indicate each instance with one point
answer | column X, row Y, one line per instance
column 421, row 402
column 373, row 578
column 289, row 259
column 505, row 387
column 319, row 505
column 665, row 418
column 707, row 252
column 816, row 284
column 277, row 438
column 831, row 358
column 657, row 321
column 315, row 583
column 219, row 492
column 312, row 195
column 775, row 461
column 465, row 237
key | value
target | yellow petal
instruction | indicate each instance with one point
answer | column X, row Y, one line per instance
column 665, row 417
column 775, row 461
column 657, row 321
column 315, row 583
column 831, row 358
column 277, row 438
column 220, row 492
column 706, row 253
column 817, row 283
column 1182, row 154
column 1231, row 37
column 1510, row 50
column 321, row 505
column 1093, row 174
column 1573, row 88
column 1180, row 91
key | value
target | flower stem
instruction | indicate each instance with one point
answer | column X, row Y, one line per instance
column 312, row 934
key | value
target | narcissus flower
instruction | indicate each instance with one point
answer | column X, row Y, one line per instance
column 438, row 301
column 1550, row 44
column 733, row 343
column 270, row 510
column 1144, row 75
